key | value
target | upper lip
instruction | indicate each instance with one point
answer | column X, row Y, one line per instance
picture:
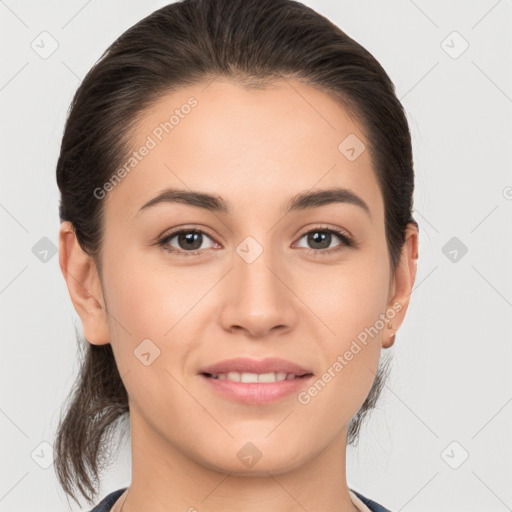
column 244, row 364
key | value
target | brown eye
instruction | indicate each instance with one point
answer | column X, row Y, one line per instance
column 319, row 240
column 189, row 241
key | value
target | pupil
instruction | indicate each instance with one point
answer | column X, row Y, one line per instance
column 319, row 236
column 190, row 238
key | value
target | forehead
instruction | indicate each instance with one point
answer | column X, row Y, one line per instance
column 246, row 144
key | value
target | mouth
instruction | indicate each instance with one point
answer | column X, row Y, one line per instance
column 246, row 369
column 251, row 378
column 255, row 382
column 256, row 388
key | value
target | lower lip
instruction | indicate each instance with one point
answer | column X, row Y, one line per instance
column 257, row 393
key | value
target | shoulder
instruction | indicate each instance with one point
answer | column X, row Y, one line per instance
column 108, row 501
column 373, row 506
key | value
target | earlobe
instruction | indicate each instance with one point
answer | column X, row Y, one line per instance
column 403, row 282
column 84, row 286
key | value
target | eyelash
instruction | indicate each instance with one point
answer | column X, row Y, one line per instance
column 347, row 241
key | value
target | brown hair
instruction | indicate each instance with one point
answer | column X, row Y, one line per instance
column 185, row 43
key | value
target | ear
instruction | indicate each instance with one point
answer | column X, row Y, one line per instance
column 402, row 283
column 84, row 286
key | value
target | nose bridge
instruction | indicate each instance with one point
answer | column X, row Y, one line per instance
column 259, row 300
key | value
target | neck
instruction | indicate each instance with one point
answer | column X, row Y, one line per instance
column 165, row 478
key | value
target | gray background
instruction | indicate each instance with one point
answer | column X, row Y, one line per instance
column 450, row 390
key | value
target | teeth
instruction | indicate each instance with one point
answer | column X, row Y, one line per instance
column 247, row 377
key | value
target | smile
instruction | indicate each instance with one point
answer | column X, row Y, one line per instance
column 248, row 377
column 256, row 389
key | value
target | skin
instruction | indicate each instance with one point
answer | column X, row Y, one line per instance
column 256, row 149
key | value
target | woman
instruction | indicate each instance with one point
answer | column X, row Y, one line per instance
column 236, row 185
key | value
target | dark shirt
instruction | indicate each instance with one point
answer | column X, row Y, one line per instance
column 108, row 502
column 372, row 505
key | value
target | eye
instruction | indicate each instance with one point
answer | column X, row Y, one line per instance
column 189, row 241
column 321, row 239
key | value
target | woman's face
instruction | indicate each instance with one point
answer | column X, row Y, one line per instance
column 259, row 281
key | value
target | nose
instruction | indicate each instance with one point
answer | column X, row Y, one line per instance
column 259, row 297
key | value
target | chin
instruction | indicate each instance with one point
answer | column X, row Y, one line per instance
column 246, row 459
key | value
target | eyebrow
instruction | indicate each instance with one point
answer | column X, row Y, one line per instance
column 299, row 202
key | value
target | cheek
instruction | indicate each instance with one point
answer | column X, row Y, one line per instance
column 145, row 303
column 160, row 302
column 350, row 356
column 150, row 310
column 151, row 298
column 348, row 298
column 351, row 303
